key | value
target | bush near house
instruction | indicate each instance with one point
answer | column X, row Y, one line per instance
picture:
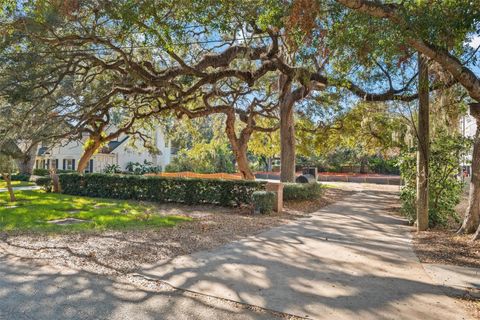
column 161, row 189
column 301, row 191
column 45, row 183
column 46, row 172
column 40, row 172
column 19, row 177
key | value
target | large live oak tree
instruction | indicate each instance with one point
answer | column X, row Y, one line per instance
column 439, row 31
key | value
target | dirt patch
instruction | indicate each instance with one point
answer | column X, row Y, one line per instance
column 67, row 221
column 472, row 306
column 123, row 251
column 444, row 246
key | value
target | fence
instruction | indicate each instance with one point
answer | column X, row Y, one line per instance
column 224, row 176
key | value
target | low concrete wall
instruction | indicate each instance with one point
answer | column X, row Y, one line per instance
column 391, row 180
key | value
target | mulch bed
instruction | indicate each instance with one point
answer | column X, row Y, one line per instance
column 444, row 246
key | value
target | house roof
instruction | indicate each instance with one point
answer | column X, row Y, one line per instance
column 42, row 150
column 112, row 145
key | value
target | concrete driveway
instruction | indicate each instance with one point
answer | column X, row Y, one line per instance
column 350, row 260
column 35, row 290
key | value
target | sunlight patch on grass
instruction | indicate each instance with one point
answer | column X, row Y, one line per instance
column 34, row 209
column 328, row 186
column 3, row 184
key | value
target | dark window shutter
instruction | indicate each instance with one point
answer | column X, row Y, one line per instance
column 56, row 163
column 48, row 164
column 73, row 164
column 91, row 165
column 64, row 164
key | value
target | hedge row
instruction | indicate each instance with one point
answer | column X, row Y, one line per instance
column 46, row 172
column 302, row 191
column 264, row 201
column 45, row 183
column 19, row 177
column 161, row 189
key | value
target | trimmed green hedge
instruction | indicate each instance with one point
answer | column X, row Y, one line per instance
column 46, row 172
column 45, row 183
column 263, row 201
column 40, row 172
column 161, row 189
column 19, row 177
column 301, row 191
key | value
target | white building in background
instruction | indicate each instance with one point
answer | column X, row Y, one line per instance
column 65, row 156
column 468, row 128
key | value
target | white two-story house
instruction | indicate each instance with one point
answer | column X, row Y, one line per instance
column 65, row 155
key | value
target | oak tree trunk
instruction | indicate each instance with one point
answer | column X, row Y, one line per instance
column 239, row 147
column 242, row 163
column 26, row 163
column 423, row 145
column 476, row 236
column 87, row 155
column 287, row 132
column 472, row 216
column 55, row 180
column 287, row 140
column 8, row 180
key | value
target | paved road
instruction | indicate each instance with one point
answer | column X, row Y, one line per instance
column 350, row 260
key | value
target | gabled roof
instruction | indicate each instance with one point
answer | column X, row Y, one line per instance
column 112, row 145
column 42, row 150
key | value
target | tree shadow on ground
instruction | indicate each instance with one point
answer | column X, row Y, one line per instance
column 33, row 290
column 351, row 259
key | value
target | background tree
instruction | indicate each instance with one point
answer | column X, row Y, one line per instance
column 440, row 31
column 7, row 167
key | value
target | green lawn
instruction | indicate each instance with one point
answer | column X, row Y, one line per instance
column 34, row 209
column 3, row 184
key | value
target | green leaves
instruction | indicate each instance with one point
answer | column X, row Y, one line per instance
column 7, row 164
column 445, row 188
column 159, row 189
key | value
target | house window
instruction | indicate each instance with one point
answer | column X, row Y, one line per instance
column 89, row 168
column 43, row 164
column 69, row 164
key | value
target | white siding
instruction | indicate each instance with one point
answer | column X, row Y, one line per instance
column 122, row 155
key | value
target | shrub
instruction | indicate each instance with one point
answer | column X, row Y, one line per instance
column 161, row 189
column 45, row 183
column 65, row 171
column 20, row 177
column 445, row 188
column 112, row 168
column 139, row 168
column 40, row 172
column 263, row 201
column 301, row 191
column 385, row 166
